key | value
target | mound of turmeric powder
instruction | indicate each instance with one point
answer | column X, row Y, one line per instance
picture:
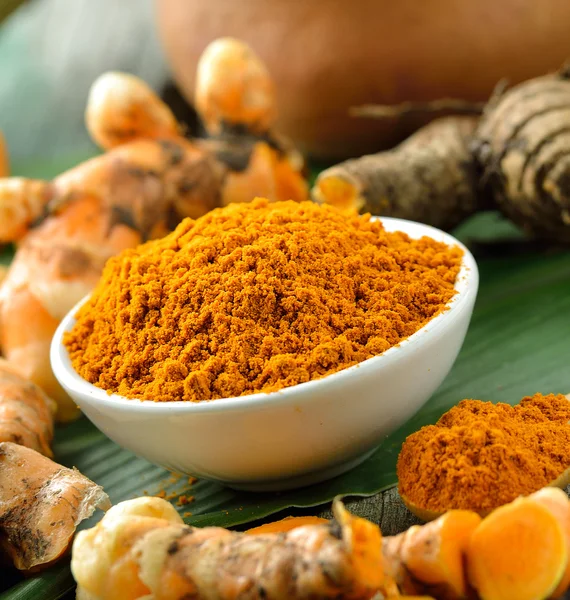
column 481, row 455
column 254, row 298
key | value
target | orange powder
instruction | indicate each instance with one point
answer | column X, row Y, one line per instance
column 254, row 298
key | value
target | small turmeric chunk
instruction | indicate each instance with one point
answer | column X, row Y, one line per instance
column 519, row 551
column 556, row 501
column 41, row 503
column 286, row 524
column 432, row 554
column 26, row 413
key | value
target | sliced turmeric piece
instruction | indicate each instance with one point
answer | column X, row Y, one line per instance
column 435, row 553
column 431, row 557
column 122, row 108
column 142, row 549
column 556, row 501
column 519, row 551
column 41, row 503
column 286, row 524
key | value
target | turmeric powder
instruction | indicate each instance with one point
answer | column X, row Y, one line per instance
column 254, row 298
column 480, row 455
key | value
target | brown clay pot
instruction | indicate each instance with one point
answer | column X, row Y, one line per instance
column 329, row 55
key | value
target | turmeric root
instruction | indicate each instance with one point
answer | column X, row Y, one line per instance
column 234, row 88
column 286, row 524
column 149, row 180
column 516, row 158
column 519, row 551
column 122, row 108
column 26, row 413
column 235, row 98
column 22, row 201
column 141, row 549
column 558, row 505
column 523, row 146
column 430, row 177
column 41, row 503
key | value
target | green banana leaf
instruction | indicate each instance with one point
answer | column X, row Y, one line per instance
column 517, row 345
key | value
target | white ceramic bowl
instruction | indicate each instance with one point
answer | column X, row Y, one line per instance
column 301, row 434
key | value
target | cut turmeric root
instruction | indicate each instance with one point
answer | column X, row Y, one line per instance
column 430, row 558
column 122, row 108
column 286, row 524
column 234, row 88
column 519, row 551
column 557, row 504
column 4, row 166
column 26, row 413
column 141, row 549
column 41, row 503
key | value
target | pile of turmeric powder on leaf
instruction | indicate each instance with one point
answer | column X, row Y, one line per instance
column 254, row 298
column 480, row 455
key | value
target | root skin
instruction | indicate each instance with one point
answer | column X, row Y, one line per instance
column 519, row 551
column 137, row 554
column 523, row 147
column 41, row 503
column 430, row 177
column 26, row 413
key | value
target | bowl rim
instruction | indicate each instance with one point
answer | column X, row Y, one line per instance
column 466, row 286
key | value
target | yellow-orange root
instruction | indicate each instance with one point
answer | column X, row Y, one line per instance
column 22, row 201
column 430, row 558
column 41, row 504
column 286, row 524
column 233, row 88
column 556, row 501
column 26, row 413
column 268, row 174
column 122, row 108
column 519, row 551
column 235, row 99
column 141, row 548
column 343, row 192
column 26, row 330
